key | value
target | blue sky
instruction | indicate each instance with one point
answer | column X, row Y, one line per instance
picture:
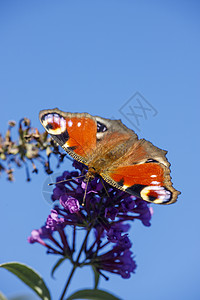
column 93, row 56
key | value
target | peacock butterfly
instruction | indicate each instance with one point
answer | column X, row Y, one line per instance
column 110, row 149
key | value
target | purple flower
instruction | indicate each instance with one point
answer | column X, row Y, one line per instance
column 104, row 216
column 57, row 192
column 111, row 212
column 114, row 234
column 70, row 203
column 124, row 242
column 53, row 221
column 116, row 262
column 128, row 204
column 37, row 236
column 145, row 212
column 128, row 265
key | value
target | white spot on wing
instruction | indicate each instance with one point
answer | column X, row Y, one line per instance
column 155, row 182
column 56, row 118
column 63, row 124
column 70, row 123
column 49, row 118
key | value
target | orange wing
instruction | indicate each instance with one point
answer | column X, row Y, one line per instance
column 143, row 171
column 149, row 181
column 75, row 133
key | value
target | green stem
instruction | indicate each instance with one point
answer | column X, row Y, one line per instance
column 83, row 246
column 68, row 282
column 76, row 263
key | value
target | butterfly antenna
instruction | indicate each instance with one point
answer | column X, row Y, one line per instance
column 52, row 183
column 84, row 197
column 104, row 187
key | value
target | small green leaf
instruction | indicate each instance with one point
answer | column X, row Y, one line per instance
column 57, row 265
column 96, row 277
column 29, row 277
column 2, row 297
column 93, row 294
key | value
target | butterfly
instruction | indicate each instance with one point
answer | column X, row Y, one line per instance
column 109, row 149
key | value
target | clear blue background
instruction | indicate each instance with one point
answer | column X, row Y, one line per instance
column 93, row 56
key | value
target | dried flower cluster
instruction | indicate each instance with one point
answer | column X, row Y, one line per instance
column 31, row 147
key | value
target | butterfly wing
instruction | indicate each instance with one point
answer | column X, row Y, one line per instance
column 80, row 133
column 75, row 133
column 143, row 172
column 114, row 151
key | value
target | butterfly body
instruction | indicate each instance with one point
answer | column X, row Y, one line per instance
column 113, row 151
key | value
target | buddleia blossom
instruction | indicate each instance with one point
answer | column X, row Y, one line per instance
column 105, row 216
